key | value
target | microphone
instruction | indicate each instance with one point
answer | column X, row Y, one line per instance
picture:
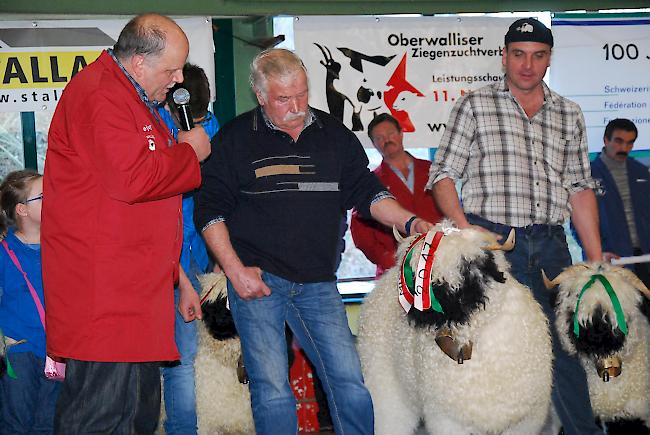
column 182, row 100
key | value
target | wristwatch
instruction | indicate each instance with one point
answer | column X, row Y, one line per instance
column 407, row 225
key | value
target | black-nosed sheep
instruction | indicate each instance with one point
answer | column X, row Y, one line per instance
column 488, row 317
column 610, row 335
column 223, row 404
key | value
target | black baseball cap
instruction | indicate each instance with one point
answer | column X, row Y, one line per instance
column 529, row 30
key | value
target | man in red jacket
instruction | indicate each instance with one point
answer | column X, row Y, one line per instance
column 405, row 177
column 112, row 230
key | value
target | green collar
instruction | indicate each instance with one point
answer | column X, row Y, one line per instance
column 620, row 317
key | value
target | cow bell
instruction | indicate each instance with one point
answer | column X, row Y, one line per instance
column 608, row 367
column 242, row 374
column 451, row 348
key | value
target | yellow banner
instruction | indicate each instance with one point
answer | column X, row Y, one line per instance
column 42, row 69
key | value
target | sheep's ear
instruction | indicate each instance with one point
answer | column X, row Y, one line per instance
column 397, row 235
column 634, row 281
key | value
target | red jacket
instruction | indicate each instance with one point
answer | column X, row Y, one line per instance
column 111, row 222
column 375, row 240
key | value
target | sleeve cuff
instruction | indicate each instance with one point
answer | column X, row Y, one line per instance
column 439, row 174
column 579, row 186
column 381, row 195
column 212, row 222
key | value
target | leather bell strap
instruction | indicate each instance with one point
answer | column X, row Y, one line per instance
column 620, row 316
column 411, row 284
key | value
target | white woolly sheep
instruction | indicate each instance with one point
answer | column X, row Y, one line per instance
column 223, row 404
column 612, row 348
column 506, row 385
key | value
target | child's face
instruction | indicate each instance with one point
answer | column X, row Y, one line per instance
column 34, row 203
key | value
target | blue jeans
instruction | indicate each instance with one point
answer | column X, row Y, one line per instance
column 540, row 247
column 27, row 403
column 316, row 315
column 180, row 400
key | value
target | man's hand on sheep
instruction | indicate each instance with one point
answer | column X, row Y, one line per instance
column 189, row 304
column 248, row 283
column 479, row 228
column 421, row 226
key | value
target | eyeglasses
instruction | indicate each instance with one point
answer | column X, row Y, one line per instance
column 36, row 198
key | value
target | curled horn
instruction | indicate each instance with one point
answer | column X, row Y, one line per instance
column 549, row 284
column 508, row 245
column 397, row 235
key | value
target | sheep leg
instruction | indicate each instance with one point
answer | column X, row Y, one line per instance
column 394, row 413
column 393, row 408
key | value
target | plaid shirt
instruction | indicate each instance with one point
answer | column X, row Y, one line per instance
column 514, row 170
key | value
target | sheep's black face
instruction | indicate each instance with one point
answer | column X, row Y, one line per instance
column 458, row 306
column 621, row 426
column 598, row 338
column 218, row 320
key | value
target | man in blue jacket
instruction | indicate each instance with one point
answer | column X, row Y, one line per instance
column 180, row 399
column 623, row 196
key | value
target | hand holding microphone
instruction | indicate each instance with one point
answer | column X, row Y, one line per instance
column 196, row 137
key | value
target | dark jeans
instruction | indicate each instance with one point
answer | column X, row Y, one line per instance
column 27, row 402
column 540, row 247
column 109, row 398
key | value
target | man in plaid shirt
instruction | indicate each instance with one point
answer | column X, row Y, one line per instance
column 520, row 153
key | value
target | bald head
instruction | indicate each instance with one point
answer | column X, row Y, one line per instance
column 153, row 49
column 148, row 35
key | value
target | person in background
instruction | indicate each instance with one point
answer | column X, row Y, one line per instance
column 178, row 380
column 623, row 196
column 520, row 152
column 112, row 232
column 270, row 210
column 27, row 397
column 405, row 177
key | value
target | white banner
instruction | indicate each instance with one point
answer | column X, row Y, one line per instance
column 414, row 68
column 38, row 58
column 603, row 64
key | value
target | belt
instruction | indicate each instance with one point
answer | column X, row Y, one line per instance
column 502, row 229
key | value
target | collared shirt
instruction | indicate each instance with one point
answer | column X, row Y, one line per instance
column 409, row 180
column 152, row 105
column 513, row 169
